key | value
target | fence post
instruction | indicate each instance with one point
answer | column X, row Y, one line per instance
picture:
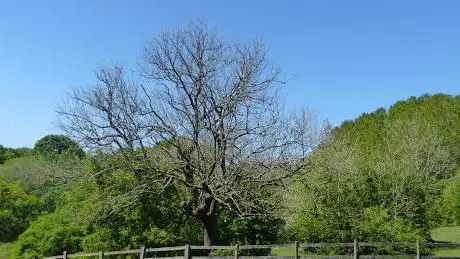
column 355, row 249
column 296, row 250
column 101, row 255
column 187, row 252
column 142, row 256
column 236, row 251
column 418, row 249
column 64, row 255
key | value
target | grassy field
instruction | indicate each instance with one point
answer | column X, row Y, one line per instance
column 442, row 234
column 283, row 251
column 447, row 234
column 4, row 250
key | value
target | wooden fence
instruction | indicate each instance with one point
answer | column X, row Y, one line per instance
column 187, row 251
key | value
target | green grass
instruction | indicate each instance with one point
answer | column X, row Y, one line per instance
column 5, row 249
column 447, row 234
column 442, row 234
column 283, row 251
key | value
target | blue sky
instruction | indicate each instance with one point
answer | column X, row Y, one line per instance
column 345, row 57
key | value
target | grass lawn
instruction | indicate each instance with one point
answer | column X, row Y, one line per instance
column 283, row 251
column 442, row 234
column 447, row 234
column 5, row 250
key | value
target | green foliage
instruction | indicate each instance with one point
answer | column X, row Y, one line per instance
column 379, row 177
column 128, row 236
column 254, row 230
column 11, row 153
column 377, row 225
column 386, row 176
column 446, row 210
column 439, row 111
column 95, row 214
column 2, row 154
column 17, row 210
column 29, row 171
column 260, row 229
column 49, row 235
column 129, row 229
column 62, row 230
column 53, row 145
column 44, row 177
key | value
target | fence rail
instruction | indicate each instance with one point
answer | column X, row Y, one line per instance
column 187, row 250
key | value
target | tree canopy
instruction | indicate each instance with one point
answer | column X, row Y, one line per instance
column 378, row 177
column 52, row 145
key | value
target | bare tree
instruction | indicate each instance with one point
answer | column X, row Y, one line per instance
column 214, row 106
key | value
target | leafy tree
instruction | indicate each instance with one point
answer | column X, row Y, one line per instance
column 52, row 145
column 49, row 235
column 28, row 171
column 383, row 171
column 17, row 210
column 44, row 177
column 446, row 210
column 63, row 229
column 439, row 111
column 378, row 225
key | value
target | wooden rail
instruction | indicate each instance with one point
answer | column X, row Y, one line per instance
column 187, row 249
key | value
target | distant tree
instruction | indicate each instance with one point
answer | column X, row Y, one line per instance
column 215, row 105
column 2, row 154
column 23, row 151
column 52, row 145
column 11, row 153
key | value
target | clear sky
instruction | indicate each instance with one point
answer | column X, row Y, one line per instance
column 346, row 57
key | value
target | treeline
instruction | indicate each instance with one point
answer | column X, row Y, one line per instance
column 386, row 176
column 11, row 153
column 57, row 198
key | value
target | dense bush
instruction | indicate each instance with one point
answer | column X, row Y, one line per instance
column 17, row 210
column 50, row 235
column 53, row 145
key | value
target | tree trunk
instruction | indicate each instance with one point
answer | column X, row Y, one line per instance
column 210, row 231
